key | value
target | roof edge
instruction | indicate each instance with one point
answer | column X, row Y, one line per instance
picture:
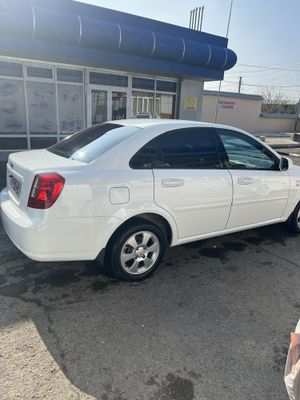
column 245, row 96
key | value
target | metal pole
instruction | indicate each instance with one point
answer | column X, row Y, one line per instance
column 199, row 14
column 297, row 116
column 240, row 84
column 190, row 19
column 220, row 83
column 193, row 18
column 229, row 18
column 201, row 23
column 196, row 18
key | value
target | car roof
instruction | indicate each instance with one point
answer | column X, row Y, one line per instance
column 169, row 123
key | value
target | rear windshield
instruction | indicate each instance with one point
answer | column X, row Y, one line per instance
column 90, row 143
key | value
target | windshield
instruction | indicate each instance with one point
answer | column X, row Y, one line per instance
column 90, row 143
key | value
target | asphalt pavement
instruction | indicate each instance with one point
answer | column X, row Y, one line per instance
column 212, row 323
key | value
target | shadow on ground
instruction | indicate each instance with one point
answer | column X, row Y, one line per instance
column 214, row 319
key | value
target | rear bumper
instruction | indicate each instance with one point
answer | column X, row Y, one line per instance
column 45, row 237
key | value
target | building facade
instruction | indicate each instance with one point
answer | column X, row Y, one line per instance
column 245, row 111
column 65, row 65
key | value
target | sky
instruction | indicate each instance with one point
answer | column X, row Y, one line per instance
column 262, row 33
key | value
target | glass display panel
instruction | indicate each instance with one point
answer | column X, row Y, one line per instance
column 41, row 107
column 12, row 107
column 70, row 108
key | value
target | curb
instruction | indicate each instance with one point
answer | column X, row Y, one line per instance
column 296, row 137
column 285, row 146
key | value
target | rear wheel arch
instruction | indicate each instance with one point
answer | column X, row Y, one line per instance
column 155, row 219
column 109, row 258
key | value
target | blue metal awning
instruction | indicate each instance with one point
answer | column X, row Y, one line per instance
column 75, row 33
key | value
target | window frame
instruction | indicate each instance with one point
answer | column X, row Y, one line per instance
column 157, row 157
column 225, row 157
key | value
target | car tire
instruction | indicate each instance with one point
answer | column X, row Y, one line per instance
column 294, row 220
column 135, row 253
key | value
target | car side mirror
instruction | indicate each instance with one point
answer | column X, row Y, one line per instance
column 284, row 164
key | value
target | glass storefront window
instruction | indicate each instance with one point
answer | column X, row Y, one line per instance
column 98, row 78
column 165, row 105
column 70, row 108
column 12, row 107
column 41, row 107
column 143, row 83
column 50, row 112
column 39, row 72
column 8, row 68
column 166, row 86
column 69, row 75
column 141, row 102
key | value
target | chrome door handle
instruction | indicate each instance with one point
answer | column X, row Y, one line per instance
column 245, row 180
column 172, row 182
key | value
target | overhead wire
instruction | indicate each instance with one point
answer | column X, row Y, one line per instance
column 270, row 68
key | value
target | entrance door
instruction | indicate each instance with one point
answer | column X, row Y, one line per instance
column 99, row 106
column 119, row 105
column 106, row 104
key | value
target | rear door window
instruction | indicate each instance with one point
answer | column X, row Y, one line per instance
column 190, row 148
column 90, row 143
column 144, row 158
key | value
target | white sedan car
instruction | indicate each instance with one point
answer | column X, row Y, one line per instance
column 122, row 191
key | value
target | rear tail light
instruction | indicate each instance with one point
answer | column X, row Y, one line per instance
column 45, row 190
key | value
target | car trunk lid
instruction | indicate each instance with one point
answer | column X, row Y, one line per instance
column 22, row 168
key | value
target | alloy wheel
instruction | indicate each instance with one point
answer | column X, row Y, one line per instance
column 139, row 253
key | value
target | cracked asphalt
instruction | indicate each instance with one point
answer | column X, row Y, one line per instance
column 213, row 322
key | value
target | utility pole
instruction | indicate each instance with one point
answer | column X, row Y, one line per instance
column 240, row 84
column 297, row 116
column 220, row 83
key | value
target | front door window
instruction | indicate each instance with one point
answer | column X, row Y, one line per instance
column 244, row 152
